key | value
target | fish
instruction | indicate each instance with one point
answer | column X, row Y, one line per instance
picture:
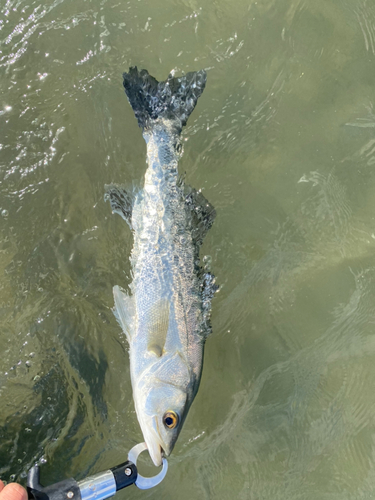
column 166, row 312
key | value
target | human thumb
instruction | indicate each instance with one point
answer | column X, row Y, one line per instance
column 12, row 491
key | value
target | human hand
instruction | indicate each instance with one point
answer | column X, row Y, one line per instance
column 12, row 491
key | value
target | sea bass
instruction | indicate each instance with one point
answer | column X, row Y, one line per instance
column 166, row 318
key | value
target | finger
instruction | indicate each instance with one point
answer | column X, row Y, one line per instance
column 1, row 485
column 13, row 491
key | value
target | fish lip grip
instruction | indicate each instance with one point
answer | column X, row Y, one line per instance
column 97, row 487
column 145, row 483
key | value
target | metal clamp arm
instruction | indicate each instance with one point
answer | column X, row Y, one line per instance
column 98, row 487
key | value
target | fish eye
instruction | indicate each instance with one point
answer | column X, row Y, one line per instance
column 170, row 419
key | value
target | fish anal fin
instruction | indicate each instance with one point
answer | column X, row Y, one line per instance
column 124, row 310
column 201, row 211
column 158, row 327
column 121, row 201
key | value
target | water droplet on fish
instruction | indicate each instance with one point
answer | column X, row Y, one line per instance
column 4, row 213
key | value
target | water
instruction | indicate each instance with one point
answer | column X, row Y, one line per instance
column 282, row 143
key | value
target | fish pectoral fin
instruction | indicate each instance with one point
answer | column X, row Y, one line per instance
column 121, row 202
column 158, row 327
column 156, row 349
column 124, row 310
column 202, row 213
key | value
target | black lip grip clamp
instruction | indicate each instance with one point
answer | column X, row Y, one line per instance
column 98, row 487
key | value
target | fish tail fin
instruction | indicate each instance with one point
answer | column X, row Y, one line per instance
column 173, row 99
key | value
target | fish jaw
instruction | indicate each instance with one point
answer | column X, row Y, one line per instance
column 153, row 441
column 159, row 440
column 154, row 396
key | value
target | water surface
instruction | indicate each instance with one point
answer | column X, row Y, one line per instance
column 282, row 143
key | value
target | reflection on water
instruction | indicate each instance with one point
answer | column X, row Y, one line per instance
column 282, row 143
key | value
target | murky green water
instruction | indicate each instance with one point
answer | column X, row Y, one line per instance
column 283, row 144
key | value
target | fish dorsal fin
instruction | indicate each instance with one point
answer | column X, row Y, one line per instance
column 208, row 290
column 202, row 213
column 124, row 310
column 158, row 327
column 121, row 202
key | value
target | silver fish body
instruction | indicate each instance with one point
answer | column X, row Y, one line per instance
column 166, row 317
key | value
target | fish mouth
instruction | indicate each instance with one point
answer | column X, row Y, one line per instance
column 154, row 442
